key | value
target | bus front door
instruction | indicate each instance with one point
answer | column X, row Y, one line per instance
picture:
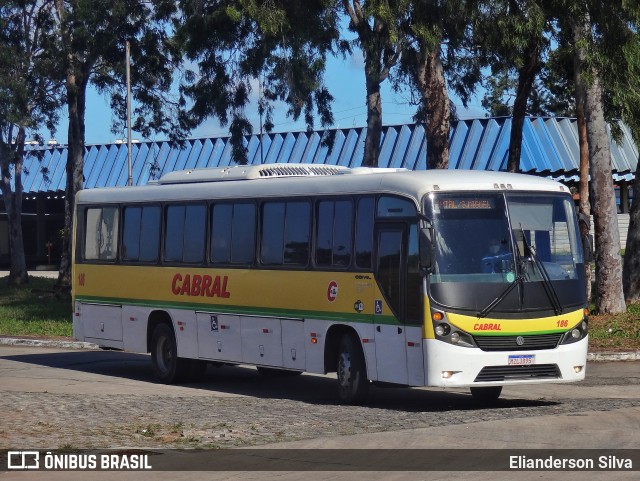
column 390, row 333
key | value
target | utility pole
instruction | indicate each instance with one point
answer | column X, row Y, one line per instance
column 130, row 178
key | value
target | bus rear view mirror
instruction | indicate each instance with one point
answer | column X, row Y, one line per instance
column 426, row 248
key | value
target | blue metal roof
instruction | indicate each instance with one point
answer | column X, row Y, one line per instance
column 549, row 148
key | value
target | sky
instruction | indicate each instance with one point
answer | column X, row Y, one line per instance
column 344, row 78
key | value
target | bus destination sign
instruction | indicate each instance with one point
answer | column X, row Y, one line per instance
column 465, row 203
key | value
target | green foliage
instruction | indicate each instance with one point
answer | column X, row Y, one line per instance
column 93, row 35
column 29, row 78
column 234, row 46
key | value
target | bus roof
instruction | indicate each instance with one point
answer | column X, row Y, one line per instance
column 246, row 182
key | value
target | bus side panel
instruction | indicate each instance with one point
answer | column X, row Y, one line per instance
column 261, row 340
column 314, row 352
column 134, row 328
column 186, row 331
column 219, row 337
column 293, row 344
column 101, row 321
column 415, row 356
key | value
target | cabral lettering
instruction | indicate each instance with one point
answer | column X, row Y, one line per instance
column 487, row 327
column 197, row 285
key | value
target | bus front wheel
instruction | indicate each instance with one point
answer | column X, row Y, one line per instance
column 168, row 368
column 353, row 384
column 486, row 394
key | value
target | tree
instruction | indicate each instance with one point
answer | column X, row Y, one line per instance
column 29, row 101
column 436, row 35
column 92, row 35
column 377, row 25
column 626, row 99
column 514, row 34
column 608, row 263
column 280, row 45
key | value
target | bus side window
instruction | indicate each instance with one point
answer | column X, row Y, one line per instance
column 184, row 236
column 233, row 233
column 333, row 235
column 141, row 234
column 364, row 232
column 285, row 233
column 101, row 234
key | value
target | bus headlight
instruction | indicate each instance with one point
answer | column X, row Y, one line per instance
column 576, row 334
column 448, row 333
column 443, row 329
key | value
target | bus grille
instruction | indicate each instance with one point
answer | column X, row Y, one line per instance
column 518, row 373
column 509, row 343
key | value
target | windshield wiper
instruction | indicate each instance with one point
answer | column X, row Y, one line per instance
column 484, row 312
column 546, row 280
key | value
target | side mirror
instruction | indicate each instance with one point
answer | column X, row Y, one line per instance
column 426, row 248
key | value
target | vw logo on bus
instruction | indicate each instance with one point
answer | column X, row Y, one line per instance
column 519, row 340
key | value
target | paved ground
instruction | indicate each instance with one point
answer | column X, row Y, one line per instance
column 55, row 398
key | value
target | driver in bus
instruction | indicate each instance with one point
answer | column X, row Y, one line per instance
column 493, row 260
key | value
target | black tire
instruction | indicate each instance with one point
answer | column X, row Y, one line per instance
column 275, row 372
column 486, row 395
column 353, row 384
column 168, row 368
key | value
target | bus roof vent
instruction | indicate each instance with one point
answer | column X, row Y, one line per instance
column 284, row 170
column 245, row 172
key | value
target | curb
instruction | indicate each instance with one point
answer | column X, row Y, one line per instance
column 9, row 341
column 613, row 356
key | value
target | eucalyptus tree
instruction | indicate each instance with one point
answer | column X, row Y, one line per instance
column 377, row 24
column 29, row 102
column 92, row 36
column 438, row 55
column 590, row 21
column 515, row 37
column 277, row 47
column 620, row 57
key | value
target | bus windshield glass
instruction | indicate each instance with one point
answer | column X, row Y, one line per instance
column 483, row 242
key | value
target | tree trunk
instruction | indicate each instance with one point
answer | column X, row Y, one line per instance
column 631, row 269
column 374, row 113
column 13, row 206
column 526, row 76
column 610, row 298
column 76, row 97
column 583, row 140
column 435, row 101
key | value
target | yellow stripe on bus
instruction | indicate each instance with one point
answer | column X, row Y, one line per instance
column 344, row 293
column 495, row 327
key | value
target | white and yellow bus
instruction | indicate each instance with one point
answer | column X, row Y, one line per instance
column 436, row 278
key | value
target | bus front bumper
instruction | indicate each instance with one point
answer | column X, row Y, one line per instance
column 447, row 365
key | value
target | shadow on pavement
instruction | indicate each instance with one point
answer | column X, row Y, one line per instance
column 246, row 381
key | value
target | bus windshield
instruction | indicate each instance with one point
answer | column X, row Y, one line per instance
column 485, row 242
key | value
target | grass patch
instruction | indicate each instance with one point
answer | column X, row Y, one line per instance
column 34, row 309
column 616, row 332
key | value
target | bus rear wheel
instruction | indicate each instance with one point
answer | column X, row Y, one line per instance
column 486, row 394
column 353, row 384
column 168, row 368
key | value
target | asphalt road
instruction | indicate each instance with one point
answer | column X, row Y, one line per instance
column 77, row 399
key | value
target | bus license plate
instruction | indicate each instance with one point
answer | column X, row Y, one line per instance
column 522, row 360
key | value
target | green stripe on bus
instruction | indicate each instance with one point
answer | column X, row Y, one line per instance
column 240, row 310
